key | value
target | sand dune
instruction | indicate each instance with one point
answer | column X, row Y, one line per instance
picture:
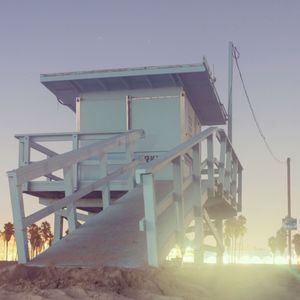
column 188, row 282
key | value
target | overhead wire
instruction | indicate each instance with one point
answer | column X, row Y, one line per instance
column 236, row 56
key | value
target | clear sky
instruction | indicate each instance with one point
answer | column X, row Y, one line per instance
column 69, row 35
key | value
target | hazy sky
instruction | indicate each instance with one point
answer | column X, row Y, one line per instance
column 67, row 35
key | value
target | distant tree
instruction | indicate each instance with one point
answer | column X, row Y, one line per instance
column 8, row 232
column 35, row 239
column 234, row 232
column 242, row 229
column 281, row 240
column 46, row 234
column 229, row 237
column 14, row 247
column 272, row 243
column 2, row 238
column 296, row 242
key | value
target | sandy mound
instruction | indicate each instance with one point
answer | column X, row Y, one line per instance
column 188, row 282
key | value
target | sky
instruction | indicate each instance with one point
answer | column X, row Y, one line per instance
column 70, row 35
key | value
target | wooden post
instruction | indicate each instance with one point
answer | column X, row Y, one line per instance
column 198, row 213
column 179, row 200
column 71, row 208
column 222, row 161
column 18, row 215
column 210, row 166
column 26, row 156
column 220, row 248
column 58, row 226
column 103, row 173
column 239, row 206
column 129, row 158
column 228, row 170
column 233, row 186
column 75, row 145
column 150, row 219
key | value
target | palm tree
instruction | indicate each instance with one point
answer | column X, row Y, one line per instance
column 2, row 238
column 272, row 243
column 34, row 238
column 229, row 236
column 8, row 232
column 281, row 239
column 296, row 242
column 241, row 224
column 46, row 234
column 234, row 232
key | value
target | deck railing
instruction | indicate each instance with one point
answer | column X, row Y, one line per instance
column 64, row 141
column 67, row 162
column 167, row 216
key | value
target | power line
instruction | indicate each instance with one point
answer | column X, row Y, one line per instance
column 236, row 56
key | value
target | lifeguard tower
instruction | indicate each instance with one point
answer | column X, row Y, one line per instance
column 143, row 172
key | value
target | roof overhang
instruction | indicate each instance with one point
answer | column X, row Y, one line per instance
column 195, row 79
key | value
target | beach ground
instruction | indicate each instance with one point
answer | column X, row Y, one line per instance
column 209, row 282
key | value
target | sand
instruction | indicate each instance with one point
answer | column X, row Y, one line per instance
column 208, row 282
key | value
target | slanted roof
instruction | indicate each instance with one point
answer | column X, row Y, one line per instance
column 195, row 79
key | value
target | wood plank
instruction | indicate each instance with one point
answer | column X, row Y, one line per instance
column 42, row 149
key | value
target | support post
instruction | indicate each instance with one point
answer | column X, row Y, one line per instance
column 228, row 170
column 106, row 188
column 179, row 200
column 128, row 113
column 129, row 158
column 58, row 226
column 210, row 166
column 240, row 178
column 233, row 186
column 220, row 248
column 75, row 145
column 150, row 219
column 222, row 160
column 18, row 215
column 71, row 208
column 25, row 156
column 198, row 213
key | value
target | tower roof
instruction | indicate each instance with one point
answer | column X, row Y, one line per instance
column 195, row 79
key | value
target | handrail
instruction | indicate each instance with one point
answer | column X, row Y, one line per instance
column 52, row 164
column 221, row 134
column 190, row 198
column 67, row 134
column 68, row 163
column 161, row 162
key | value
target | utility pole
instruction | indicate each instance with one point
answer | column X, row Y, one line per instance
column 230, row 75
column 289, row 208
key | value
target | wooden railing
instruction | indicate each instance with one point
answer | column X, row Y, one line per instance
column 67, row 162
column 167, row 216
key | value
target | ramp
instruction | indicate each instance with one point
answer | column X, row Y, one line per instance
column 111, row 238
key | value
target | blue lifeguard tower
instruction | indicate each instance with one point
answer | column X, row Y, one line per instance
column 147, row 168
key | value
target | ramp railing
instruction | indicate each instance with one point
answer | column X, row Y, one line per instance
column 67, row 162
column 168, row 214
column 41, row 145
